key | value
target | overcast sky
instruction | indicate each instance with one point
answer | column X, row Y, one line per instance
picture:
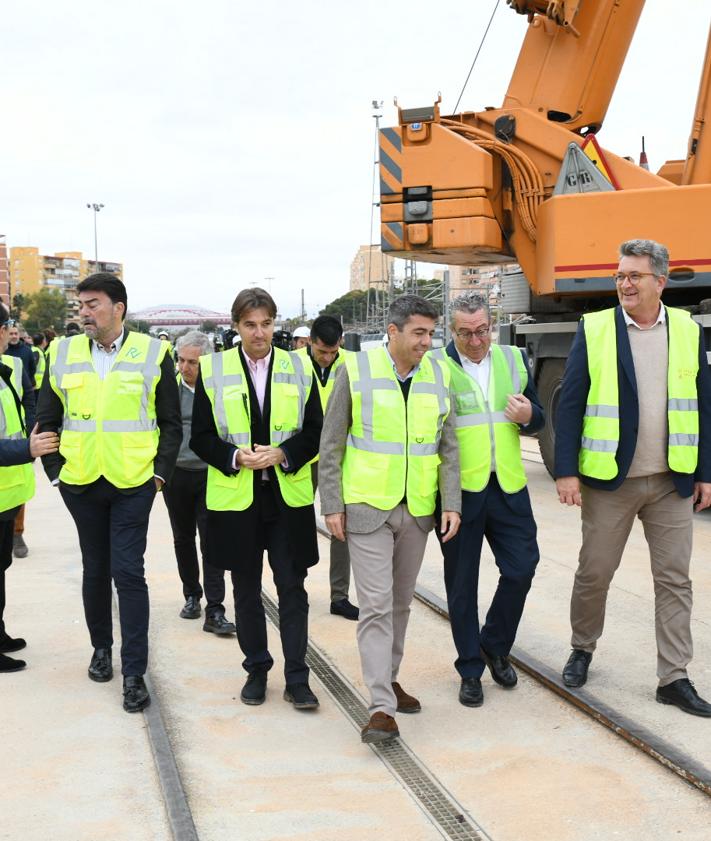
column 231, row 142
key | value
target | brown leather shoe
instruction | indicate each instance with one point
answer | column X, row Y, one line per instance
column 405, row 703
column 380, row 728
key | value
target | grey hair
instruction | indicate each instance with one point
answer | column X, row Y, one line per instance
column 404, row 307
column 194, row 338
column 657, row 253
column 468, row 302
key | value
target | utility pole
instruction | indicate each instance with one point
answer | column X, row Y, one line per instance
column 96, row 208
column 445, row 305
column 303, row 308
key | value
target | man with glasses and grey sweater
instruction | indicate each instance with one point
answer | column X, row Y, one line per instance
column 185, row 500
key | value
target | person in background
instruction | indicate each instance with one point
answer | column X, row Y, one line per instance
column 17, row 478
column 325, row 355
column 18, row 348
column 185, row 499
column 39, row 346
column 72, row 329
column 300, row 337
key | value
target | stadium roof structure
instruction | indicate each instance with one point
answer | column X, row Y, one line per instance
column 179, row 315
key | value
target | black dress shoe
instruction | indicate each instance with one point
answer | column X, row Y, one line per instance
column 345, row 609
column 575, row 671
column 100, row 668
column 470, row 692
column 301, row 696
column 135, row 694
column 217, row 624
column 8, row 644
column 501, row 670
column 9, row 664
column 681, row 693
column 191, row 609
column 255, row 689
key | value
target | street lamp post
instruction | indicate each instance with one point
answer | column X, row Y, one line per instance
column 96, row 208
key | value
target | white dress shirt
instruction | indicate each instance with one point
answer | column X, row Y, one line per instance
column 104, row 359
column 479, row 371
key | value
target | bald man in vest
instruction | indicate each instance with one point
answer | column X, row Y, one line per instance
column 495, row 401
column 113, row 394
column 633, row 439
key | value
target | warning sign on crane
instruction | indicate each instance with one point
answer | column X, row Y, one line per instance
column 597, row 156
column 579, row 174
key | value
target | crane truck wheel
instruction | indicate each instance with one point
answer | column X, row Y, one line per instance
column 549, row 382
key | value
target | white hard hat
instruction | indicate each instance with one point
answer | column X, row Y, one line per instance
column 301, row 333
column 163, row 333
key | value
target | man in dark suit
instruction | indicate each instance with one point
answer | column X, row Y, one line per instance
column 495, row 401
column 114, row 396
column 633, row 439
column 256, row 422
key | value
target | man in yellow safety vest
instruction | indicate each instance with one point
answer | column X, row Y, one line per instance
column 113, row 394
column 388, row 446
column 633, row 439
column 17, row 478
column 325, row 354
column 495, row 400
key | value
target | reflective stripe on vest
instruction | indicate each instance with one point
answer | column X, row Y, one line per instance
column 392, row 449
column 17, row 483
column 226, row 386
column 601, row 424
column 485, row 435
column 109, row 427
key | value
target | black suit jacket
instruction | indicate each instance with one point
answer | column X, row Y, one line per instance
column 50, row 414
column 473, row 501
column 234, row 541
column 574, row 398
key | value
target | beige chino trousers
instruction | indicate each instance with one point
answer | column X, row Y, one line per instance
column 385, row 566
column 607, row 518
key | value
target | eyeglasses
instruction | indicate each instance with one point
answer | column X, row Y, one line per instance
column 635, row 278
column 466, row 335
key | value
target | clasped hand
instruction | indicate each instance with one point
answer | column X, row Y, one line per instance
column 518, row 409
column 261, row 457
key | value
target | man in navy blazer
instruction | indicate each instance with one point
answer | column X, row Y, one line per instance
column 633, row 439
column 495, row 500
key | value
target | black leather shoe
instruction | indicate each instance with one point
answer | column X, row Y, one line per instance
column 19, row 547
column 575, row 671
column 255, row 689
column 345, row 609
column 501, row 670
column 217, row 624
column 681, row 693
column 9, row 664
column 8, row 644
column 135, row 694
column 470, row 692
column 301, row 696
column 191, row 609
column 100, row 668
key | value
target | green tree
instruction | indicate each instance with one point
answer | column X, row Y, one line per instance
column 46, row 308
column 351, row 307
column 208, row 326
column 137, row 325
column 18, row 303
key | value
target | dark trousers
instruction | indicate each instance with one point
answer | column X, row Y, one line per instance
column 185, row 500
column 506, row 520
column 6, row 533
column 112, row 528
column 293, row 601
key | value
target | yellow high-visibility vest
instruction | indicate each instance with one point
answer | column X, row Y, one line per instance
column 225, row 382
column 109, row 427
column 17, row 483
column 601, row 423
column 324, row 391
column 482, row 427
column 392, row 450
column 41, row 365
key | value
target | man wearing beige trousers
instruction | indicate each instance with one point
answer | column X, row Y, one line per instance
column 388, row 445
column 633, row 439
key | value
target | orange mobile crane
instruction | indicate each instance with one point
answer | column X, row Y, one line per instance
column 524, row 183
